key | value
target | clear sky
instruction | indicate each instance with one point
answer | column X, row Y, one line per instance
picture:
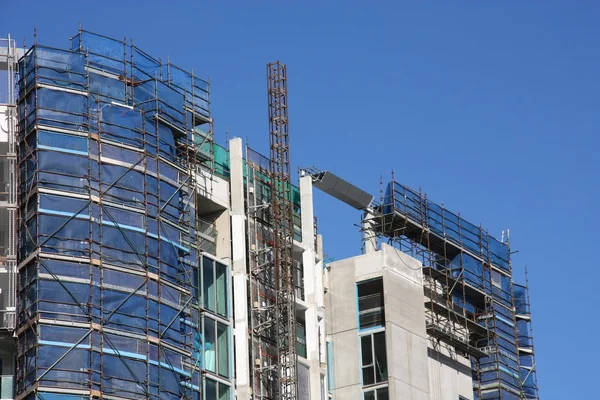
column 489, row 106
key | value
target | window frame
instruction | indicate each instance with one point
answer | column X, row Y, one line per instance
column 375, row 390
column 371, row 333
column 204, row 298
column 218, row 322
column 496, row 278
column 370, row 326
column 301, row 349
column 219, row 383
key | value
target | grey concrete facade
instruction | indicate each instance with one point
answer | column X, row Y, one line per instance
column 417, row 369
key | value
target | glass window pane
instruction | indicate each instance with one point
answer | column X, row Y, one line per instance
column 300, row 339
column 197, row 286
column 368, row 376
column 369, row 395
column 223, row 392
column 329, row 367
column 383, row 394
column 496, row 278
column 223, row 349
column 366, row 350
column 209, row 345
column 208, row 282
column 211, row 390
column 221, row 288
column 380, row 357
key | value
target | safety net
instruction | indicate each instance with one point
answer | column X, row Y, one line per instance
column 117, row 295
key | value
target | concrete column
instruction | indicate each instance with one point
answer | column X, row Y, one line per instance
column 240, row 284
column 223, row 226
column 319, row 292
column 369, row 235
column 311, row 271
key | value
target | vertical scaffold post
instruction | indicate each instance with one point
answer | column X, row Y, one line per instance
column 283, row 229
column 11, row 156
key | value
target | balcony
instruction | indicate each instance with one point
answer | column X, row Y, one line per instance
column 207, row 233
column 7, row 322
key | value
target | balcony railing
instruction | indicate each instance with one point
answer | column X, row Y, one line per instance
column 208, row 234
column 371, row 310
column 207, row 228
column 7, row 320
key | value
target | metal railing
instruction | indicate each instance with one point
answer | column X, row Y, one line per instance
column 371, row 310
column 207, row 231
column 207, row 228
column 7, row 321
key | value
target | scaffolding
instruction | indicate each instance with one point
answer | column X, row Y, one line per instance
column 275, row 279
column 119, row 296
column 262, row 290
column 470, row 294
column 525, row 340
column 261, row 273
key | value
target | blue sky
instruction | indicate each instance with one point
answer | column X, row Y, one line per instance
column 490, row 107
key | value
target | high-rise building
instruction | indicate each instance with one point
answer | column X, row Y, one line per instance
column 140, row 259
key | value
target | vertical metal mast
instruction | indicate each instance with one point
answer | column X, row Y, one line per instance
column 11, row 155
column 285, row 318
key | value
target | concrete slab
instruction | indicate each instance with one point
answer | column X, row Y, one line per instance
column 346, row 367
column 342, row 313
column 404, row 303
column 400, row 390
column 407, row 357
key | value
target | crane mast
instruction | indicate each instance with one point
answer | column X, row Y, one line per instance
column 283, row 229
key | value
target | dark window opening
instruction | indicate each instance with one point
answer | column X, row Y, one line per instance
column 377, row 394
column 370, row 304
column 301, row 338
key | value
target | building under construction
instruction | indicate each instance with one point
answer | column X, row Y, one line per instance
column 433, row 290
column 140, row 259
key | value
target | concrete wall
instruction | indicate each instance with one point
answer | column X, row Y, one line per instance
column 213, row 187
column 449, row 374
column 415, row 370
column 342, row 319
column 342, row 326
column 223, row 226
column 405, row 325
